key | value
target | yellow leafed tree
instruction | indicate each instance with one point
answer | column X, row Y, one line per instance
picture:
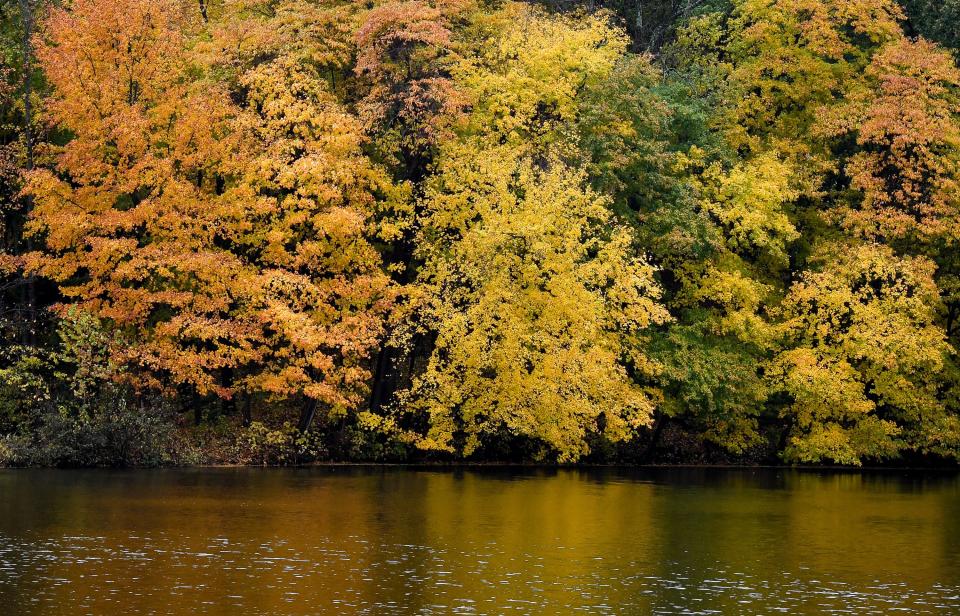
column 862, row 359
column 530, row 289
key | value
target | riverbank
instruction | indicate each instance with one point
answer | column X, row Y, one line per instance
column 126, row 436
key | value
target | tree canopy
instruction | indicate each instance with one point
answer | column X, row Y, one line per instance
column 442, row 229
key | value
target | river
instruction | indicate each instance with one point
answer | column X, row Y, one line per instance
column 395, row 540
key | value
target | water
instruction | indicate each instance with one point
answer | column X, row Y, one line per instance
column 367, row 540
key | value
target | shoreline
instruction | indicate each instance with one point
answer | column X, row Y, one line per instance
column 514, row 465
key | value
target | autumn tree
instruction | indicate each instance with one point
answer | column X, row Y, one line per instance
column 722, row 295
column 528, row 287
column 719, row 226
column 898, row 140
column 224, row 233
column 128, row 215
column 536, row 309
column 307, row 196
column 404, row 51
column 863, row 359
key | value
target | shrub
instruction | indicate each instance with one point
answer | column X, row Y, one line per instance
column 64, row 406
column 259, row 444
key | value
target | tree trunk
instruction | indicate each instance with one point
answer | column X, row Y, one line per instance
column 307, row 413
column 30, row 299
column 658, row 425
column 247, row 411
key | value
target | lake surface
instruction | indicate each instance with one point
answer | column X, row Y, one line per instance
column 371, row 540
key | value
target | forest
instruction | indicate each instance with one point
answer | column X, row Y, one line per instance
column 294, row 231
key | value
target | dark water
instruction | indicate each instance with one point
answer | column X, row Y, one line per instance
column 348, row 540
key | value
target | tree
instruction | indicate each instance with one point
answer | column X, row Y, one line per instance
column 897, row 137
column 225, row 234
column 536, row 309
column 721, row 296
column 719, row 229
column 529, row 289
column 863, row 359
column 307, row 195
column 129, row 216
column 11, row 207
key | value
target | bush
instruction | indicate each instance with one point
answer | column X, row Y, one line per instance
column 64, row 407
column 259, row 444
column 117, row 436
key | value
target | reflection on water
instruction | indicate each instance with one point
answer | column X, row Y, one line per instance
column 356, row 540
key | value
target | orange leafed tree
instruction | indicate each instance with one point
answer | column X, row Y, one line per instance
column 129, row 215
column 906, row 123
column 224, row 233
column 322, row 294
column 404, row 51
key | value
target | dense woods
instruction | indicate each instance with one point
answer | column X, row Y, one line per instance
column 280, row 231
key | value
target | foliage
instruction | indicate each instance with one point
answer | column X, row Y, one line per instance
column 404, row 52
column 534, row 308
column 905, row 173
column 862, row 358
column 227, row 241
column 935, row 21
column 285, row 445
column 60, row 407
column 528, row 288
column 441, row 229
